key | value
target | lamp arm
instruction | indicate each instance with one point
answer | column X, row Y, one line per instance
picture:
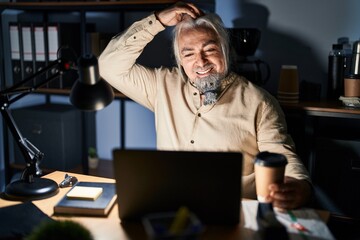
column 23, row 91
column 32, row 155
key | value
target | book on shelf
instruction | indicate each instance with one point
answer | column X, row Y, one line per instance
column 88, row 198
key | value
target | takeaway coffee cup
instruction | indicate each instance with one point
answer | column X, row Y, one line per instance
column 352, row 86
column 269, row 168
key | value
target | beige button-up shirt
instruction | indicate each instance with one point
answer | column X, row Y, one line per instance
column 246, row 118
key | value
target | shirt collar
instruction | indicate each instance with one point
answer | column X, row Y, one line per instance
column 227, row 81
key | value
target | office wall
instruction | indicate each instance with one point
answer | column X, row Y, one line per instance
column 295, row 32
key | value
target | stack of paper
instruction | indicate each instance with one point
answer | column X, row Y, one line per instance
column 307, row 218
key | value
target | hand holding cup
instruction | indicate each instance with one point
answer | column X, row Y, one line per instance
column 269, row 168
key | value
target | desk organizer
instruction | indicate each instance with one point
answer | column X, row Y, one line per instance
column 157, row 226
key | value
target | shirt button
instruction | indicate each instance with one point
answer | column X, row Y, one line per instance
column 150, row 22
column 199, row 114
column 134, row 37
column 192, row 141
column 195, row 93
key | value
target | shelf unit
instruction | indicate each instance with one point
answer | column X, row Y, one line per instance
column 120, row 7
column 123, row 5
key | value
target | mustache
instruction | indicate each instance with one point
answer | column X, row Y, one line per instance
column 204, row 68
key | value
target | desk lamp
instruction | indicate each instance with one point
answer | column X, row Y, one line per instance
column 88, row 93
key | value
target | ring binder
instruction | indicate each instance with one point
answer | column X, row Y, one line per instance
column 15, row 52
column 67, row 36
column 27, row 53
column 39, row 44
column 53, row 46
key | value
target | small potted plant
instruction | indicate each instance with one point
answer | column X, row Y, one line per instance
column 93, row 158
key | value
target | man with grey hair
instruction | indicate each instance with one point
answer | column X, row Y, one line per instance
column 200, row 105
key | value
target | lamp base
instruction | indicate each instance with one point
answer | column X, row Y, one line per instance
column 40, row 188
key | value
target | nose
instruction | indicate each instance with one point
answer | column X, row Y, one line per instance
column 201, row 59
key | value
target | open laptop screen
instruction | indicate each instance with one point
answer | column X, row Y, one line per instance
column 150, row 181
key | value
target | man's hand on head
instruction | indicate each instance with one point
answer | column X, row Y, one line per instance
column 178, row 12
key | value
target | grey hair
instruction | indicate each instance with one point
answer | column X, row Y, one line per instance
column 211, row 21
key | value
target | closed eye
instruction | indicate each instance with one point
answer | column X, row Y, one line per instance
column 186, row 53
column 211, row 48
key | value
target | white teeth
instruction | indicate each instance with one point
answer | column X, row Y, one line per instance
column 203, row 72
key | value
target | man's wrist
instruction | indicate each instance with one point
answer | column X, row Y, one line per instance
column 156, row 13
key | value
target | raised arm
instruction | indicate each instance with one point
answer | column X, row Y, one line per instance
column 176, row 13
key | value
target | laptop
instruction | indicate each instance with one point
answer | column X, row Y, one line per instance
column 151, row 181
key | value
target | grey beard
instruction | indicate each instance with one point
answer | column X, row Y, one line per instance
column 210, row 86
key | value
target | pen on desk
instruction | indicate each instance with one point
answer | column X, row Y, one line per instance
column 295, row 223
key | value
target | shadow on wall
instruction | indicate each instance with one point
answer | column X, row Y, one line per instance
column 280, row 48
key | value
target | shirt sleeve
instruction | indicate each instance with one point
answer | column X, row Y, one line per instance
column 117, row 63
column 273, row 137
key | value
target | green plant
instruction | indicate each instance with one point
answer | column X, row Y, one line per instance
column 92, row 152
column 59, row 230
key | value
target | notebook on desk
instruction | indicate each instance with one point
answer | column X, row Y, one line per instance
column 150, row 181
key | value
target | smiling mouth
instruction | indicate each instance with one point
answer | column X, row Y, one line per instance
column 204, row 72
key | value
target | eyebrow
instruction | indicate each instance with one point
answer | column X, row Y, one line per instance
column 186, row 49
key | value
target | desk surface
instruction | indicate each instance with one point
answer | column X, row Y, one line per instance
column 323, row 108
column 110, row 227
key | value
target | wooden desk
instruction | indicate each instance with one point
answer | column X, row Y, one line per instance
column 326, row 136
column 110, row 227
column 323, row 109
column 305, row 128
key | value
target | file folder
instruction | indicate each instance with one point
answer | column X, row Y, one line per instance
column 15, row 52
column 39, row 44
column 27, row 53
column 52, row 54
column 64, row 41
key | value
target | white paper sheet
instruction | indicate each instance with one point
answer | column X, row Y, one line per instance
column 317, row 229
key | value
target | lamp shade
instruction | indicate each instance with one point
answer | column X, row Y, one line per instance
column 90, row 92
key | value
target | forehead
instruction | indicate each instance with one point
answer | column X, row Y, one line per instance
column 196, row 37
